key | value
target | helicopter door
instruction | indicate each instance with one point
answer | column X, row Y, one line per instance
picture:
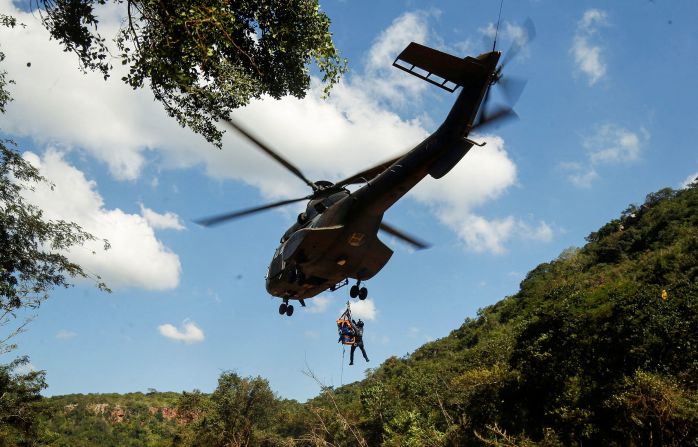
column 311, row 240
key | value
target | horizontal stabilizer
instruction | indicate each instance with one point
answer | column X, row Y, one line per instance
column 436, row 67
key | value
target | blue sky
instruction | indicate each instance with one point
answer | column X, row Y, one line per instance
column 608, row 115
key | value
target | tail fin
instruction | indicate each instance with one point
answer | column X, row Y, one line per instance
column 442, row 69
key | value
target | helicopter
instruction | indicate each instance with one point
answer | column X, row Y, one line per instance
column 335, row 240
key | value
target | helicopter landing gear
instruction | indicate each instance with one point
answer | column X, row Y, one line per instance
column 358, row 291
column 285, row 308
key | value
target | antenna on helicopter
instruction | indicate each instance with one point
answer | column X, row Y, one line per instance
column 496, row 31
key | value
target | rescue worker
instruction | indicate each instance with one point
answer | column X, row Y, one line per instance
column 358, row 340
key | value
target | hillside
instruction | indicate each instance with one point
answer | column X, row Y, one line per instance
column 588, row 351
column 599, row 347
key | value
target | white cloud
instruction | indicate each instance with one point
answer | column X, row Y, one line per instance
column 489, row 31
column 484, row 175
column 329, row 139
column 319, row 304
column 190, row 332
column 591, row 19
column 689, row 180
column 480, row 234
column 614, row 144
column 516, row 33
column 509, row 34
column 579, row 175
column 64, row 334
column 589, row 56
column 118, row 125
column 364, row 309
column 610, row 145
column 542, row 232
column 383, row 80
column 136, row 257
column 168, row 220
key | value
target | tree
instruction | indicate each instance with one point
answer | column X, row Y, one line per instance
column 32, row 249
column 19, row 393
column 239, row 413
column 204, row 58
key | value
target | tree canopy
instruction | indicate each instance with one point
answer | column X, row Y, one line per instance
column 203, row 58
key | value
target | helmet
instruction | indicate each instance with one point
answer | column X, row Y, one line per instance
column 360, row 323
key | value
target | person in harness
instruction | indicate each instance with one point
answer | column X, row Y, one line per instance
column 358, row 340
column 345, row 328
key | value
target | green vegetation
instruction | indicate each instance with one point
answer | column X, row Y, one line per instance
column 599, row 347
column 133, row 419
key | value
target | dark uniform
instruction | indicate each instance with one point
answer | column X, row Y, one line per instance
column 358, row 340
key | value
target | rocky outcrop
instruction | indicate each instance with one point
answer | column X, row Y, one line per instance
column 117, row 413
column 97, row 409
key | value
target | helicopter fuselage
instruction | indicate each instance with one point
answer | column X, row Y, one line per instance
column 337, row 237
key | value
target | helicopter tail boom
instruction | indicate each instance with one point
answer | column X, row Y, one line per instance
column 436, row 67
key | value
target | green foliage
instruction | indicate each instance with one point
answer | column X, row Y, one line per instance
column 133, row 419
column 240, row 412
column 203, row 59
column 655, row 409
column 19, row 398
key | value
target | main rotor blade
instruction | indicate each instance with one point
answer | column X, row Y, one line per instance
column 285, row 163
column 218, row 219
column 416, row 243
column 499, row 116
column 366, row 175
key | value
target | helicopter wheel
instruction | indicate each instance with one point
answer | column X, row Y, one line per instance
column 363, row 293
column 354, row 291
column 283, row 308
column 289, row 310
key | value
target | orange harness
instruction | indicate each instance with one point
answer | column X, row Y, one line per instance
column 345, row 329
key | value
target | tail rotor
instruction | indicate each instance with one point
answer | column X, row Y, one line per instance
column 511, row 87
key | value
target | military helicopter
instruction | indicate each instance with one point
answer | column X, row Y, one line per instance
column 335, row 239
